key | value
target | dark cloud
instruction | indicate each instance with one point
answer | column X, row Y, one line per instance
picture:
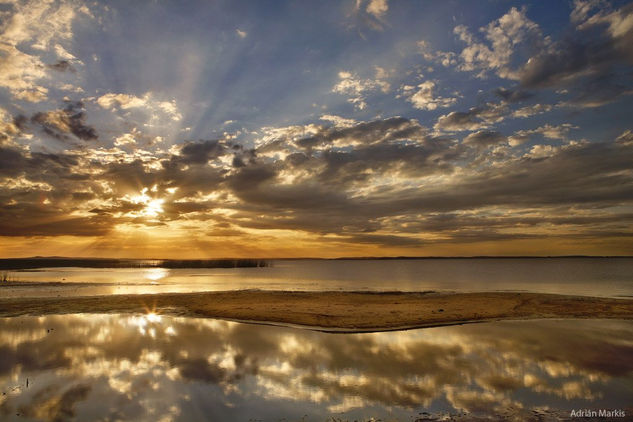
column 512, row 95
column 593, row 50
column 412, row 159
column 484, row 139
column 599, row 90
column 70, row 120
column 379, row 186
column 12, row 161
column 62, row 66
column 21, row 122
column 31, row 217
column 459, row 121
column 479, row 117
column 249, row 178
column 367, row 132
column 568, row 178
column 201, row 152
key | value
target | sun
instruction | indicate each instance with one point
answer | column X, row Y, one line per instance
column 152, row 206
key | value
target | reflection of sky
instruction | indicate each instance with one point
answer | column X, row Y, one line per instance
column 153, row 368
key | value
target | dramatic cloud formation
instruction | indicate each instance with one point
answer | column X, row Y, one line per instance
column 366, row 133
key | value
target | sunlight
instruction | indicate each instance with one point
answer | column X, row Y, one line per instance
column 155, row 274
column 146, row 324
column 153, row 206
column 154, row 318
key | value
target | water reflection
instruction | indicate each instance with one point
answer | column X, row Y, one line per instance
column 581, row 276
column 148, row 367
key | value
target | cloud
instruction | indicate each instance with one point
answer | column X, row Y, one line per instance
column 484, row 139
column 626, row 138
column 479, row 117
column 357, row 89
column 512, row 95
column 588, row 59
column 598, row 90
column 32, row 30
column 123, row 101
column 518, row 138
column 338, row 121
column 422, row 97
column 376, row 131
column 532, row 110
column 459, row 121
column 125, row 139
column 554, row 132
column 582, row 9
column 504, row 35
column 593, row 49
column 69, row 120
column 348, row 169
column 62, row 66
column 542, row 151
column 383, row 182
column 201, row 152
column 486, row 115
column 377, row 8
column 146, row 103
column 19, row 72
column 370, row 13
column 445, row 58
column 548, row 131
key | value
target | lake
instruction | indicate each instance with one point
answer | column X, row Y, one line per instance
column 610, row 277
column 147, row 367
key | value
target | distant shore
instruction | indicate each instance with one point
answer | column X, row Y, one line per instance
column 86, row 262
column 60, row 262
column 336, row 311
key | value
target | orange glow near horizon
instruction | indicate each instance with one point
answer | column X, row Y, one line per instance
column 148, row 246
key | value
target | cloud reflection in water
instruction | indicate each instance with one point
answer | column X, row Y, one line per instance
column 161, row 368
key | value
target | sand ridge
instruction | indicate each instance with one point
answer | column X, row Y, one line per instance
column 336, row 311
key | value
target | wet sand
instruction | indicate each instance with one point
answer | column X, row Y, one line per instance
column 336, row 311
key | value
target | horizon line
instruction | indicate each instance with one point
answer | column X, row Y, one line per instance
column 380, row 257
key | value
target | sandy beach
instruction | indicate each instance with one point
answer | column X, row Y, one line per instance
column 336, row 311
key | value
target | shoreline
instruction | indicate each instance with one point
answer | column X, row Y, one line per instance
column 333, row 310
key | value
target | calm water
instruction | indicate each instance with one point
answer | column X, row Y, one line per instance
column 583, row 276
column 148, row 368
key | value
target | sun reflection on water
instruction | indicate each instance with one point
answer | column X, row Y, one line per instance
column 149, row 324
column 155, row 274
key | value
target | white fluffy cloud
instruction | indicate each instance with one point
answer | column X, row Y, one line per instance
column 377, row 8
column 502, row 35
column 548, row 131
column 423, row 97
column 445, row 58
column 357, row 88
column 46, row 29
column 147, row 102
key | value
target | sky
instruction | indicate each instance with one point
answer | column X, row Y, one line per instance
column 197, row 129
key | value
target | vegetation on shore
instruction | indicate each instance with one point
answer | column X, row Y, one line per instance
column 55, row 262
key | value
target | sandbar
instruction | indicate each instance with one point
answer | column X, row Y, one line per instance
column 335, row 311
